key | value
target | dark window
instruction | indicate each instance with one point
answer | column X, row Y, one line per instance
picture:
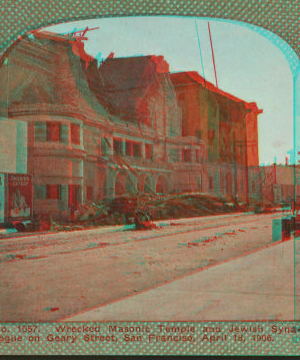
column 40, row 130
column 149, row 151
column 137, row 150
column 211, row 183
column 198, row 156
column 186, row 155
column 53, row 192
column 40, row 192
column 89, row 192
column 74, row 195
column 53, row 131
column 129, row 148
column 118, row 147
column 75, row 134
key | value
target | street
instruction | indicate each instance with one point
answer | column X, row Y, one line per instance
column 56, row 276
column 257, row 287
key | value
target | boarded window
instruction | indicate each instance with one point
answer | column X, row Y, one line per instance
column 75, row 134
column 40, row 130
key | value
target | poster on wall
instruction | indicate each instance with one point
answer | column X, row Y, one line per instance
column 19, row 196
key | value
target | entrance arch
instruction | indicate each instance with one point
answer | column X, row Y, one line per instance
column 146, row 184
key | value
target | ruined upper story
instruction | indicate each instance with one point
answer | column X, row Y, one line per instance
column 51, row 76
column 226, row 124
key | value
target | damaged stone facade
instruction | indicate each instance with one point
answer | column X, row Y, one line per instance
column 126, row 125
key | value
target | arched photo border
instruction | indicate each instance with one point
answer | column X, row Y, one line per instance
column 278, row 21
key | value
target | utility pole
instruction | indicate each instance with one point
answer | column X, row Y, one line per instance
column 235, row 168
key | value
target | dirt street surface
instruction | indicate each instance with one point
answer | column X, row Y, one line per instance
column 49, row 279
column 255, row 287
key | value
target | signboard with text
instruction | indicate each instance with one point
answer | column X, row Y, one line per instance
column 19, row 196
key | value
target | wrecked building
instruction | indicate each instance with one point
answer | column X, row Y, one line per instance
column 97, row 130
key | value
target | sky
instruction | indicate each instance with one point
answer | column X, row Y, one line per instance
column 248, row 65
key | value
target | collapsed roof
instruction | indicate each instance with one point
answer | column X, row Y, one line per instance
column 45, row 70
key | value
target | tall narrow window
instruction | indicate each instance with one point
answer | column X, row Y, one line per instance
column 75, row 134
column 118, row 147
column 53, row 131
column 74, row 192
column 211, row 183
column 137, row 150
column 129, row 148
column 149, row 151
column 187, row 155
column 40, row 131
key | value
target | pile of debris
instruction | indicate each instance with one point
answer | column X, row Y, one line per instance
column 189, row 205
column 122, row 209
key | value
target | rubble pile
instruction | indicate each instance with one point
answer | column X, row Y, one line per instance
column 188, row 205
column 121, row 210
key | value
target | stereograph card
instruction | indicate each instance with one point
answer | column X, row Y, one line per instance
column 149, row 177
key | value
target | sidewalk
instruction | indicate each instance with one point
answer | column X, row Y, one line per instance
column 256, row 287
